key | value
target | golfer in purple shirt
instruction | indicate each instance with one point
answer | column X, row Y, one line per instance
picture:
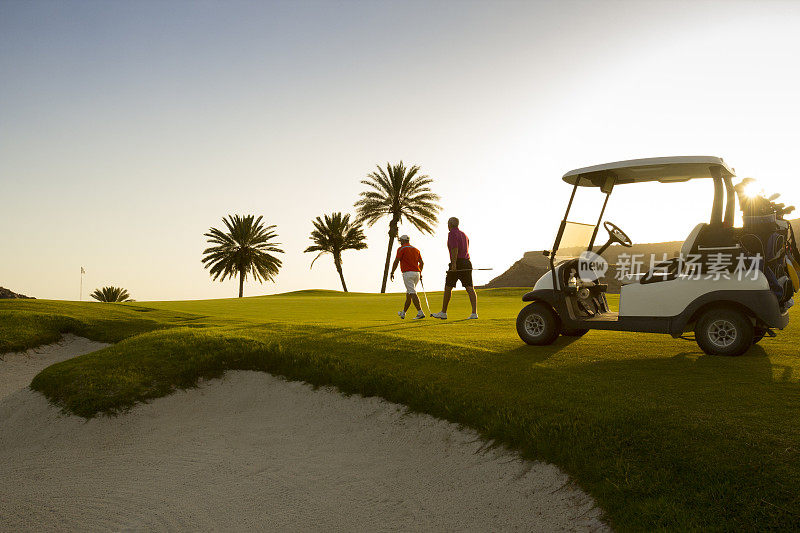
column 460, row 269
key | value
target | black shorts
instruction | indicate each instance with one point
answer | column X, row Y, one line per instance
column 464, row 274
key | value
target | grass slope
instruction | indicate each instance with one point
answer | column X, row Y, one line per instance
column 662, row 435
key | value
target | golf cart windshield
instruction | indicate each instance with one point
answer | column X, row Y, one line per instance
column 576, row 238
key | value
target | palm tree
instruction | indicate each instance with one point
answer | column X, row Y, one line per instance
column 333, row 235
column 243, row 250
column 399, row 193
column 111, row 294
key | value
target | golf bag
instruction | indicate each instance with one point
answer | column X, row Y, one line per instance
column 767, row 236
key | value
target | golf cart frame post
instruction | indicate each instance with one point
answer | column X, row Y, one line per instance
column 684, row 302
column 564, row 223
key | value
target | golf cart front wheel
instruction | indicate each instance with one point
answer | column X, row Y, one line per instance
column 537, row 324
column 724, row 331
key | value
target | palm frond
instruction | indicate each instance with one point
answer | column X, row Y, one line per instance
column 111, row 294
column 323, row 252
column 401, row 193
column 334, row 234
column 245, row 249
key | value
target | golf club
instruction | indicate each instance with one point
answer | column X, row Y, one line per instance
column 424, row 294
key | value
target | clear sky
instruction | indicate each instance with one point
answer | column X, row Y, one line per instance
column 127, row 129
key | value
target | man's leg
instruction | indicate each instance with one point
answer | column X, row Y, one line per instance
column 415, row 299
column 408, row 302
column 446, row 300
column 473, row 299
column 449, row 283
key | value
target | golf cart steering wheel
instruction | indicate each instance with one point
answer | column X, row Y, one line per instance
column 617, row 235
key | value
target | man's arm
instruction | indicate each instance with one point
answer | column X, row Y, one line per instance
column 394, row 267
column 453, row 257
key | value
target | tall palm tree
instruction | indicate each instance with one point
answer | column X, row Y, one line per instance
column 111, row 294
column 333, row 235
column 401, row 194
column 243, row 250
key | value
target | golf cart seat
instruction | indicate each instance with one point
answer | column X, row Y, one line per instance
column 695, row 244
column 708, row 243
column 705, row 239
column 668, row 270
column 691, row 241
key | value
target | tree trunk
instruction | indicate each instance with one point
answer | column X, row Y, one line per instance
column 392, row 237
column 241, row 283
column 338, row 263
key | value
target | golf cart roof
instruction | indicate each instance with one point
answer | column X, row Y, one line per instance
column 663, row 169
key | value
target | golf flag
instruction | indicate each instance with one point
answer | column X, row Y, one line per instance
column 83, row 271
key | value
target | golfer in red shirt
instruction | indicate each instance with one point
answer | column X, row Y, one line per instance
column 460, row 269
column 411, row 265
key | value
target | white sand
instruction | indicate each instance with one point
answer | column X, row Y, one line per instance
column 252, row 451
column 17, row 369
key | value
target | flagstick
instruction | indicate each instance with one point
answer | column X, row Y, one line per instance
column 80, row 294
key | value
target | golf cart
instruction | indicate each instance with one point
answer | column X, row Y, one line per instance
column 729, row 305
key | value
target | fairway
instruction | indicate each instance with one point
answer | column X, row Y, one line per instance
column 660, row 434
column 373, row 313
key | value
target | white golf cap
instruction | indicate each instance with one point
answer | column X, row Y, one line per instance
column 403, row 238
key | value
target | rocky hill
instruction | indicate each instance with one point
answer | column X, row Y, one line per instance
column 533, row 265
column 7, row 294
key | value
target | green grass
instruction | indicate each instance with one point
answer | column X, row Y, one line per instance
column 660, row 434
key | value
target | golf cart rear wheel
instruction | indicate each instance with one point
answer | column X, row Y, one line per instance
column 724, row 331
column 537, row 324
column 574, row 332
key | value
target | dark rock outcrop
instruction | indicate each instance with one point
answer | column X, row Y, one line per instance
column 7, row 294
column 523, row 273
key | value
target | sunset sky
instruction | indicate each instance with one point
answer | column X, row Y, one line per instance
column 127, row 129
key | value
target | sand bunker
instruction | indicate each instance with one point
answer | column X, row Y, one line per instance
column 18, row 369
column 254, row 451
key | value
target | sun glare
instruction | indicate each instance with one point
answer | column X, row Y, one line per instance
column 753, row 189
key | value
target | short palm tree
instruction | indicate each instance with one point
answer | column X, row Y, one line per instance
column 246, row 248
column 401, row 194
column 334, row 234
column 111, row 294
